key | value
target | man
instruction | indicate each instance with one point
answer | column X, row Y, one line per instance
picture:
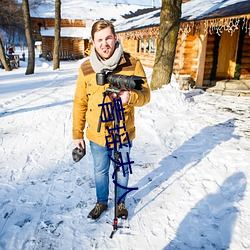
column 107, row 54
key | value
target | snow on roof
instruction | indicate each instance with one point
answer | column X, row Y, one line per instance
column 79, row 32
column 197, row 9
column 145, row 20
column 85, row 10
column 192, row 10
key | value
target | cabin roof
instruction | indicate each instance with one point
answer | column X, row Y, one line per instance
column 208, row 9
column 140, row 21
column 193, row 10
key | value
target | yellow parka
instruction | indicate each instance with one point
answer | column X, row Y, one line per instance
column 88, row 95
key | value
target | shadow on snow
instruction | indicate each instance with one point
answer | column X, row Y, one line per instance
column 22, row 110
column 209, row 225
column 189, row 155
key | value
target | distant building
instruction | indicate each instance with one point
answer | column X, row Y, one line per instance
column 77, row 19
column 75, row 36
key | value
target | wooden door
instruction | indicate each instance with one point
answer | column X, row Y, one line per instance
column 227, row 55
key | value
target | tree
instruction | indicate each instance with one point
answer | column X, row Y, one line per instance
column 11, row 19
column 29, row 39
column 3, row 57
column 10, row 24
column 168, row 34
column 56, row 59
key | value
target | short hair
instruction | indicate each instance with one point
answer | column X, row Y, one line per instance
column 101, row 24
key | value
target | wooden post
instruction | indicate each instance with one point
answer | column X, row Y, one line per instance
column 201, row 60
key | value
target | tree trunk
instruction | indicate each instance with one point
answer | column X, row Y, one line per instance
column 168, row 34
column 28, row 33
column 3, row 57
column 56, row 59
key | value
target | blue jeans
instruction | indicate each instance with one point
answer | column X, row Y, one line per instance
column 101, row 171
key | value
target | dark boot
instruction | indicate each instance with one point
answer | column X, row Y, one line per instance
column 122, row 211
column 97, row 210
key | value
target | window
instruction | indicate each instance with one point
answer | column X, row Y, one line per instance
column 146, row 45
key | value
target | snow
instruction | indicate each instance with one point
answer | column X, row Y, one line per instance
column 155, row 3
column 86, row 10
column 145, row 20
column 191, row 166
column 197, row 9
column 84, row 33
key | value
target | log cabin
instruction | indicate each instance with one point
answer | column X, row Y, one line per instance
column 74, row 37
column 213, row 41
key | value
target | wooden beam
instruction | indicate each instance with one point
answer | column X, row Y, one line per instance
column 201, row 60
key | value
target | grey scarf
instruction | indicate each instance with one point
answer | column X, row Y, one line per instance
column 98, row 64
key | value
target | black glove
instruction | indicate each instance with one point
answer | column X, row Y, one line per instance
column 78, row 153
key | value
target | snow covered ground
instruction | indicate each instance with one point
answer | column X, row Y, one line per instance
column 191, row 168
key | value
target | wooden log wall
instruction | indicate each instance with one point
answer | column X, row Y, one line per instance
column 79, row 46
column 178, row 61
column 186, row 55
column 73, row 45
column 131, row 46
column 190, row 56
column 47, row 45
column 50, row 22
column 66, row 44
column 185, row 59
column 146, row 59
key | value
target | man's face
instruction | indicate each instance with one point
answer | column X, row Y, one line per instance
column 104, row 42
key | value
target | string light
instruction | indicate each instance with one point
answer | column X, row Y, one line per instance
column 218, row 25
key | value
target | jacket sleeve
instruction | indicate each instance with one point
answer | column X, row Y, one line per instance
column 80, row 105
column 141, row 97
